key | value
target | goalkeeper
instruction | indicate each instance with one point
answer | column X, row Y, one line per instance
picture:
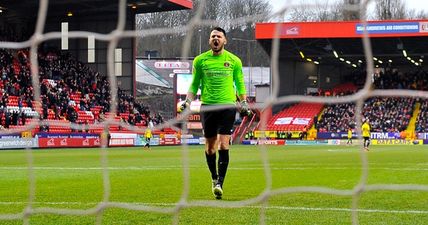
column 218, row 72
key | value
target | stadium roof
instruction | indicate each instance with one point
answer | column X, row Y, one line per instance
column 319, row 40
column 18, row 10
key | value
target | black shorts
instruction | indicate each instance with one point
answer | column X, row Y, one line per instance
column 218, row 121
column 366, row 138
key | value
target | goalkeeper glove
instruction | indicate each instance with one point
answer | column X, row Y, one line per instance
column 185, row 105
column 245, row 109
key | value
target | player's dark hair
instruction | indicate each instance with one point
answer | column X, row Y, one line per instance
column 220, row 30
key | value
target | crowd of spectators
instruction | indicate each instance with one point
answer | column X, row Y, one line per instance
column 395, row 79
column 67, row 86
column 386, row 114
column 389, row 114
column 422, row 119
column 337, row 118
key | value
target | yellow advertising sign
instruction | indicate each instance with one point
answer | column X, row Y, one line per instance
column 272, row 134
column 396, row 142
column 26, row 134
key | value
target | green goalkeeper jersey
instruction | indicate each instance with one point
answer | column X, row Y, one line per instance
column 218, row 76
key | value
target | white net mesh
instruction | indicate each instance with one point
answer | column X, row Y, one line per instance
column 174, row 209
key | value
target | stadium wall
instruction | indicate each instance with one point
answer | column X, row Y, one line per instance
column 294, row 76
column 78, row 47
column 334, row 73
column 90, row 140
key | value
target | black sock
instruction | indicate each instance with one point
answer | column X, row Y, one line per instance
column 223, row 162
column 212, row 165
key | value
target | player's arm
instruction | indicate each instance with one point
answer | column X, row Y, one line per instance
column 238, row 78
column 194, row 86
column 242, row 97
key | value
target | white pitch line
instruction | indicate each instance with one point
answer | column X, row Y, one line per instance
column 232, row 168
column 179, row 167
column 286, row 208
column 342, row 150
column 90, row 168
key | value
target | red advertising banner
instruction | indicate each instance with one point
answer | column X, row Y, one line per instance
column 68, row 142
column 185, row 3
column 342, row 29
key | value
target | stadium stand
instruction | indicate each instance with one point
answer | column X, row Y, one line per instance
column 301, row 115
column 385, row 115
column 421, row 121
column 71, row 92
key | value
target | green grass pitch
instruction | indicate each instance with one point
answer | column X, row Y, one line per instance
column 73, row 179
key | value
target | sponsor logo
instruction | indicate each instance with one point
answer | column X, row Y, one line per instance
column 85, row 142
column 9, row 136
column 268, row 142
column 190, row 141
column 63, row 142
column 51, row 142
column 180, row 71
column 294, row 30
column 384, row 28
column 380, row 136
column 15, row 143
column 271, row 142
column 172, row 65
column 423, row 27
column 122, row 141
column 194, row 117
column 395, row 142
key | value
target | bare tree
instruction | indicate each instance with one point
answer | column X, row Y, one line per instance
column 170, row 46
column 234, row 9
column 325, row 11
column 160, row 43
column 221, row 11
column 241, row 35
column 390, row 9
column 350, row 14
column 415, row 14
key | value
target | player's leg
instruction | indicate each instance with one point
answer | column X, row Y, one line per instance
column 210, row 132
column 223, row 160
column 368, row 143
column 210, row 155
column 226, row 119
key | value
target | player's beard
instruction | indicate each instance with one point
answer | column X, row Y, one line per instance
column 217, row 47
